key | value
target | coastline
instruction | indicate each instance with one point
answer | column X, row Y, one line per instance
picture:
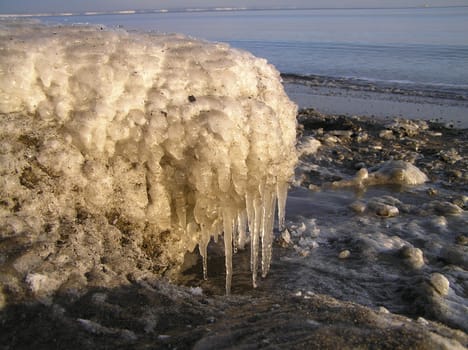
column 447, row 105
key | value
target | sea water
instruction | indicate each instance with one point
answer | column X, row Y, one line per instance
column 422, row 46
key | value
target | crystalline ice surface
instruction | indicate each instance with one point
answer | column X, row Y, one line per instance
column 183, row 137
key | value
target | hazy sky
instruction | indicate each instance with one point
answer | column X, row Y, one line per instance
column 35, row 6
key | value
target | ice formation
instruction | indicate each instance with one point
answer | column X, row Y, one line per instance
column 182, row 139
column 393, row 172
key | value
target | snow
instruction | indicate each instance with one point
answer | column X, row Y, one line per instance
column 181, row 139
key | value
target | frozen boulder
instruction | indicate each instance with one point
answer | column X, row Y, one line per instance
column 397, row 172
column 169, row 139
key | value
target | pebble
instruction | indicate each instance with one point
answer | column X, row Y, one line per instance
column 422, row 321
column 286, row 237
column 386, row 134
column 344, row 254
column 383, row 310
column 446, row 208
column 362, row 137
column 440, row 283
column 413, row 256
column 460, row 201
column 344, row 133
column 358, row 207
column 330, row 139
column 462, row 240
column 314, row 188
column 386, row 210
column 313, row 323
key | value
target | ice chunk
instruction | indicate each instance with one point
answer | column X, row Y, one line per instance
column 395, row 172
column 172, row 139
column 398, row 172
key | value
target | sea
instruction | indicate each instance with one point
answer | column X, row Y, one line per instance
column 412, row 61
column 415, row 45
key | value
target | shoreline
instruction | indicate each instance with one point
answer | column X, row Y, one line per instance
column 350, row 97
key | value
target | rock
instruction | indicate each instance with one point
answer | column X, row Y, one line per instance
column 445, row 208
column 344, row 254
column 386, row 210
column 455, row 255
column 342, row 133
column 413, row 257
column 383, row 310
column 362, row 137
column 330, row 139
column 460, row 200
column 462, row 240
column 308, row 146
column 440, row 283
column 397, row 172
column 386, row 134
column 358, row 207
column 422, row 321
column 285, row 238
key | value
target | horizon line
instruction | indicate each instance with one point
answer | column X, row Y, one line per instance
column 211, row 9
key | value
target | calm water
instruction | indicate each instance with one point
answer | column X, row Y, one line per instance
column 425, row 46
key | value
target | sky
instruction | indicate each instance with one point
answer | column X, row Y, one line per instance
column 40, row 6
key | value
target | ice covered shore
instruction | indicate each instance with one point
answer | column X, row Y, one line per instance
column 140, row 147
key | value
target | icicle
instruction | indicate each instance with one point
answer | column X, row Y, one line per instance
column 241, row 228
column 235, row 235
column 254, row 217
column 203, row 247
column 268, row 218
column 228, row 225
column 179, row 198
column 282, row 194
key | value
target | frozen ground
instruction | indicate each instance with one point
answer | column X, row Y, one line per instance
column 347, row 276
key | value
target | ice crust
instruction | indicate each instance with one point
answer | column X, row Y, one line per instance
column 181, row 139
